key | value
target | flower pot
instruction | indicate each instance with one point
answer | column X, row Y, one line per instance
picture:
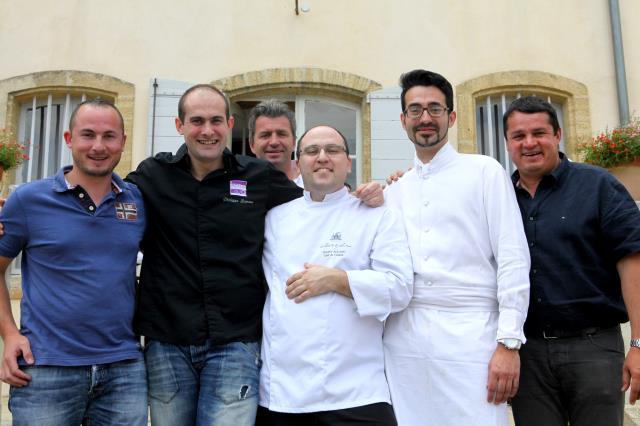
column 629, row 175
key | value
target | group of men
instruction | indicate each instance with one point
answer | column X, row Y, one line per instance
column 262, row 302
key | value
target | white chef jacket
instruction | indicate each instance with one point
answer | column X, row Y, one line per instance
column 326, row 352
column 471, row 264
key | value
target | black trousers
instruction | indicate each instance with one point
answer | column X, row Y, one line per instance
column 573, row 380
column 379, row 414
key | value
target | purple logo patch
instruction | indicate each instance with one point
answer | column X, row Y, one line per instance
column 238, row 187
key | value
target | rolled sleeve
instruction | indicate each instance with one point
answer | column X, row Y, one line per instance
column 388, row 286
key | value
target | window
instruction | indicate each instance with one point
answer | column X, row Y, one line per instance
column 489, row 129
column 481, row 102
column 43, row 120
column 309, row 111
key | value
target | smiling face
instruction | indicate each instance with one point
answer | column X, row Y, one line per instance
column 323, row 173
column 273, row 140
column 427, row 133
column 96, row 140
column 205, row 128
column 532, row 144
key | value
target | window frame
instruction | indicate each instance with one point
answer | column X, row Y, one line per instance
column 496, row 143
column 576, row 119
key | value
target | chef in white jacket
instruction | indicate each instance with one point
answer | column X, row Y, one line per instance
column 452, row 355
column 336, row 269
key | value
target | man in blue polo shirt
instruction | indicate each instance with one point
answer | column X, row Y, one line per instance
column 75, row 358
column 583, row 231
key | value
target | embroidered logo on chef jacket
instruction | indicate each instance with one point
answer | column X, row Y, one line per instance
column 126, row 211
column 335, row 247
column 238, row 188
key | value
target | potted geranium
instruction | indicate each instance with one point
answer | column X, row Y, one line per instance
column 619, row 151
column 12, row 154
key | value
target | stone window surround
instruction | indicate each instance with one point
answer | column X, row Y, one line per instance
column 16, row 90
column 577, row 122
column 309, row 82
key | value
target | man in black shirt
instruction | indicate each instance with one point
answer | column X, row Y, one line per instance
column 201, row 286
column 583, row 231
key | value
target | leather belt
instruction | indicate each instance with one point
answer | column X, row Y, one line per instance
column 565, row 334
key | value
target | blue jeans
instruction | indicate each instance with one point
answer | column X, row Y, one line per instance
column 203, row 384
column 92, row 395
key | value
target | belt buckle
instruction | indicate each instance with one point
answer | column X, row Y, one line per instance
column 544, row 334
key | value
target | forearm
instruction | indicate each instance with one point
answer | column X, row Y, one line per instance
column 629, row 271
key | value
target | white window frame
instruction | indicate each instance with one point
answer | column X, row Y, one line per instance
column 69, row 101
column 356, row 158
column 300, row 103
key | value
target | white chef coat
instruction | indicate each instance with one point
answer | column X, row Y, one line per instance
column 298, row 181
column 471, row 264
column 326, row 352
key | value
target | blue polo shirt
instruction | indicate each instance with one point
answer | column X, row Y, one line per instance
column 579, row 224
column 78, row 269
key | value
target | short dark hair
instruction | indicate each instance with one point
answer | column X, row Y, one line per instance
column 531, row 105
column 98, row 103
column 191, row 89
column 426, row 78
column 271, row 108
column 344, row 139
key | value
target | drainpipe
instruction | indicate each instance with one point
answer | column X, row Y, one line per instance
column 618, row 55
column 153, row 116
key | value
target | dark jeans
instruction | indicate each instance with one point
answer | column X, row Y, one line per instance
column 380, row 414
column 573, row 380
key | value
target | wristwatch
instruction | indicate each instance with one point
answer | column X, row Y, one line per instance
column 514, row 344
column 634, row 343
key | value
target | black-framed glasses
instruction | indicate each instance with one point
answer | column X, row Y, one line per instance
column 416, row 110
column 331, row 150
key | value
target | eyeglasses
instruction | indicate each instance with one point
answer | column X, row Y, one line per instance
column 416, row 110
column 331, row 150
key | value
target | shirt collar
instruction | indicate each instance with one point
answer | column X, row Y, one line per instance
column 554, row 177
column 60, row 183
column 229, row 160
column 444, row 156
column 329, row 198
